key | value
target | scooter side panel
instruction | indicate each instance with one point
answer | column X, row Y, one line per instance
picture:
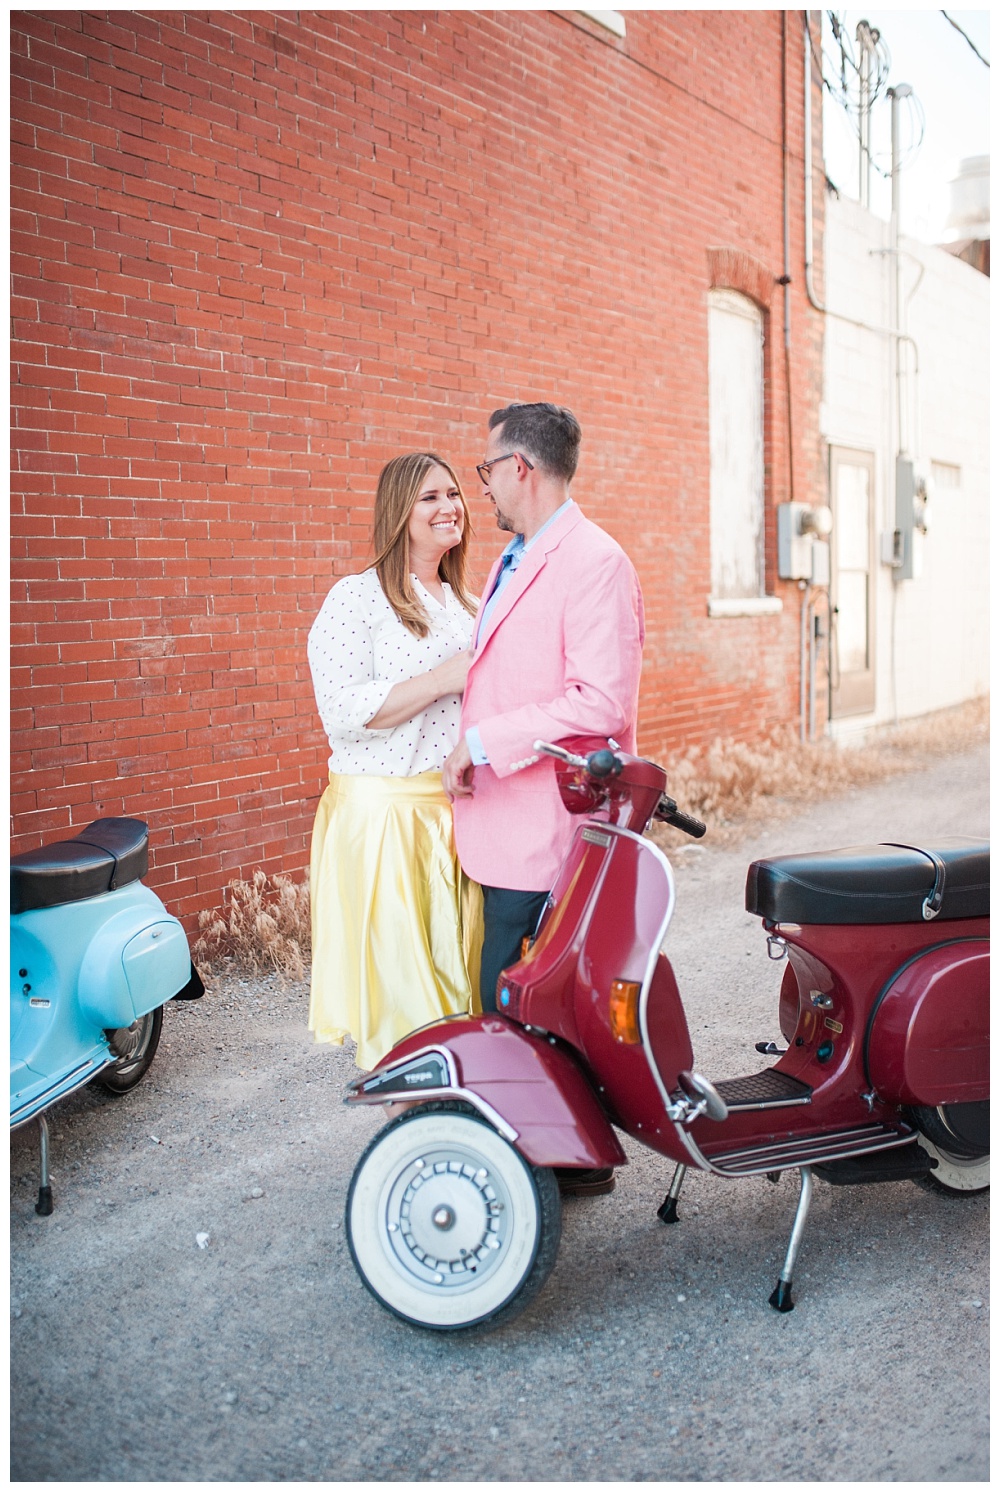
column 120, row 976
column 839, row 972
column 157, row 963
column 928, row 1041
column 531, row 1082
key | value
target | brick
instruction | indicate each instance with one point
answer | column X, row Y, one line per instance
column 249, row 267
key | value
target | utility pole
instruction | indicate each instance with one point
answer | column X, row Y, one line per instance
column 901, row 90
column 866, row 38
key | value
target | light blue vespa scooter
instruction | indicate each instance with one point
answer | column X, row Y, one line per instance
column 94, row 956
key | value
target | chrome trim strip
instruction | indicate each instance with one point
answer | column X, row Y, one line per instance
column 683, row 1134
column 490, row 1113
column 454, row 1089
column 81, row 1077
column 687, row 1140
column 784, row 1103
column 791, row 1156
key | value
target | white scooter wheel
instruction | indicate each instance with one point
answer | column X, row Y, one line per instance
column 953, row 1173
column 448, row 1226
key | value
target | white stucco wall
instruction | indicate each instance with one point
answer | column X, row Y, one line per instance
column 941, row 622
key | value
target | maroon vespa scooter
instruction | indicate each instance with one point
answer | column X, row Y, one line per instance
column 453, row 1213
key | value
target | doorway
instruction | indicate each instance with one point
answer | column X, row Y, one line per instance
column 852, row 497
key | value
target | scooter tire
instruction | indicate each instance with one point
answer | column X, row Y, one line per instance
column 956, row 1137
column 125, row 1073
column 395, row 1276
column 954, row 1175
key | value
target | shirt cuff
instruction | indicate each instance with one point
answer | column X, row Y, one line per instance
column 475, row 745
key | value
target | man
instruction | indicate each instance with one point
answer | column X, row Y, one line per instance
column 556, row 653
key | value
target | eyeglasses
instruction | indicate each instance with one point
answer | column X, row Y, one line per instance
column 484, row 469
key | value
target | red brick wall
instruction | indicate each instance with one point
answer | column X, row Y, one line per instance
column 254, row 256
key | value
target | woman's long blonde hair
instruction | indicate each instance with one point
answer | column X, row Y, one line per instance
column 398, row 489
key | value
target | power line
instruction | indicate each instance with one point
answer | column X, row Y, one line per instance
column 967, row 38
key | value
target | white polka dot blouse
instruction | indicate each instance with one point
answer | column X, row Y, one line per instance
column 358, row 648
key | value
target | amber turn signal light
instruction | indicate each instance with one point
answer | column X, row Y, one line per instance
column 526, row 944
column 623, row 1011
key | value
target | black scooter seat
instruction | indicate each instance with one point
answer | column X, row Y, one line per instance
column 872, row 883
column 107, row 854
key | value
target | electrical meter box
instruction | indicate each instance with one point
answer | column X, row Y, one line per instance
column 802, row 553
column 912, row 519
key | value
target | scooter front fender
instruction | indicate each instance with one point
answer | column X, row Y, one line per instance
column 525, row 1084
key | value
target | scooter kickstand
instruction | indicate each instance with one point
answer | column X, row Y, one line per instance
column 44, row 1204
column 667, row 1211
column 781, row 1296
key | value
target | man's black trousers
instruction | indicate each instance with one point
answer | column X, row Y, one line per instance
column 508, row 917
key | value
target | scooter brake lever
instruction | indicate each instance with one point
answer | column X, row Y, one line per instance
column 560, row 754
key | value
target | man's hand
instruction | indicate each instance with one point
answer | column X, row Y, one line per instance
column 456, row 774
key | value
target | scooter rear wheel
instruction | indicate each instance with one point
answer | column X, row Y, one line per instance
column 122, row 1075
column 448, row 1226
column 957, row 1175
column 957, row 1138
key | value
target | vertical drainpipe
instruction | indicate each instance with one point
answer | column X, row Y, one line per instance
column 817, row 305
column 805, row 638
column 805, row 630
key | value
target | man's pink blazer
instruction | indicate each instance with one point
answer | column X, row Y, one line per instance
column 560, row 656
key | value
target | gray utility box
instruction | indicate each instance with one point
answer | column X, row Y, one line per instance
column 802, row 554
column 912, row 518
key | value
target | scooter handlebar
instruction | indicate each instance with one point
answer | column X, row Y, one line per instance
column 560, row 754
column 668, row 813
column 598, row 764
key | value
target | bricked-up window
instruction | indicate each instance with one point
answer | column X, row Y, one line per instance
column 736, row 445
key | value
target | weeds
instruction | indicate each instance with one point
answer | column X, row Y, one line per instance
column 731, row 783
column 263, row 928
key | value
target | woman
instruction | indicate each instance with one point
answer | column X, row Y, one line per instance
column 396, row 925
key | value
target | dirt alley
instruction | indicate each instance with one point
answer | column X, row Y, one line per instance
column 651, row 1354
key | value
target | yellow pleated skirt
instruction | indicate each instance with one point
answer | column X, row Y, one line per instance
column 397, row 926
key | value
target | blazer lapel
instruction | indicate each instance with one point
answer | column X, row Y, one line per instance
column 530, row 567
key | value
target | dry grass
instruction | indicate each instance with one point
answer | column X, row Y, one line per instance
column 263, row 928
column 730, row 784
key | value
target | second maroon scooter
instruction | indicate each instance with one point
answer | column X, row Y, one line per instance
column 453, row 1214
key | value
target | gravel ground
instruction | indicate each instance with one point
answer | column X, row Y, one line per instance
column 651, row 1354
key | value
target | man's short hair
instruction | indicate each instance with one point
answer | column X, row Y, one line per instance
column 546, row 432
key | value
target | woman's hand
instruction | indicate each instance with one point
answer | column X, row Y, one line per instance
column 408, row 698
column 451, row 674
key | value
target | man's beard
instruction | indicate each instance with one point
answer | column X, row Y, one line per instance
column 505, row 523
